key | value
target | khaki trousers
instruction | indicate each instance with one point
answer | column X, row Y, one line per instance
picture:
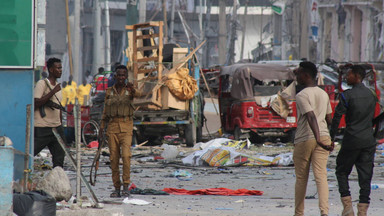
column 117, row 141
column 305, row 154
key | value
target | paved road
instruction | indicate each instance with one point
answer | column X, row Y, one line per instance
column 277, row 183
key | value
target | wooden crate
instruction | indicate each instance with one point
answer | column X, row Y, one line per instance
column 170, row 101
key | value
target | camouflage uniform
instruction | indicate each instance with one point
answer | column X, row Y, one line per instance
column 118, row 112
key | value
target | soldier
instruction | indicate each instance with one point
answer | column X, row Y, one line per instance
column 117, row 113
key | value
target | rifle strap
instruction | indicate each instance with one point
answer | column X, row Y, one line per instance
column 49, row 86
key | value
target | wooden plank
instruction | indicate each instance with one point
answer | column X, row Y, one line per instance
column 148, row 24
column 135, row 66
column 148, row 59
column 148, row 36
column 145, row 48
column 129, row 27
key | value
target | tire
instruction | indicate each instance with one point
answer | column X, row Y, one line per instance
column 90, row 132
column 255, row 138
column 237, row 133
column 199, row 134
column 188, row 133
column 289, row 138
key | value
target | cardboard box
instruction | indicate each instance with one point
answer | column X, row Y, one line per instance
column 178, row 55
column 170, row 101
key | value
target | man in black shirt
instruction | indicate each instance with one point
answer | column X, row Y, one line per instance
column 358, row 145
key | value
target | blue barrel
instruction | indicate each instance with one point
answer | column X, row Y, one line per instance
column 6, row 178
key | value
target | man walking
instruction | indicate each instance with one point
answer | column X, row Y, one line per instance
column 312, row 140
column 47, row 96
column 358, row 145
column 117, row 113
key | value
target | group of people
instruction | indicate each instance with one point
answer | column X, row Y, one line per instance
column 314, row 141
column 117, row 118
column 71, row 91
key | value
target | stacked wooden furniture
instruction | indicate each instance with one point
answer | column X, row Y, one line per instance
column 147, row 70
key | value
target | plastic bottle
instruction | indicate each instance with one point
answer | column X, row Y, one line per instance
column 376, row 186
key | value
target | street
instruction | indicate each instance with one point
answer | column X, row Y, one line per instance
column 277, row 183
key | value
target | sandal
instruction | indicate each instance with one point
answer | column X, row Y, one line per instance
column 126, row 192
column 115, row 194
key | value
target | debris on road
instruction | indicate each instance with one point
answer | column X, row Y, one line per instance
column 214, row 191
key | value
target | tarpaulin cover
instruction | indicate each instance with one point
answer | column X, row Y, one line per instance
column 181, row 84
column 214, row 191
column 244, row 74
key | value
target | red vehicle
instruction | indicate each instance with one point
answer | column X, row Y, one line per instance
column 257, row 101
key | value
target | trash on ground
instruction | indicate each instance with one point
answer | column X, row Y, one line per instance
column 182, row 175
column 214, row 191
column 224, row 208
column 34, row 203
column 170, row 152
column 147, row 191
column 213, row 156
column 135, row 201
column 212, row 143
column 238, row 144
column 93, row 144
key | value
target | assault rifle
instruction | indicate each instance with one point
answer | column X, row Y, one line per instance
column 53, row 106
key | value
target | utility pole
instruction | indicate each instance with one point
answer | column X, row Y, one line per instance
column 206, row 49
column 69, row 38
column 304, row 35
column 107, row 38
column 97, row 38
column 77, row 46
column 231, row 52
column 244, row 28
column 142, row 11
column 201, row 20
column 165, row 21
column 222, row 32
column 171, row 28
column 201, row 27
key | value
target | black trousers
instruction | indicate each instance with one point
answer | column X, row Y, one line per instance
column 45, row 137
column 363, row 161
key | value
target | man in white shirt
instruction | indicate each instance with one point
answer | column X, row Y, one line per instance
column 312, row 140
column 47, row 96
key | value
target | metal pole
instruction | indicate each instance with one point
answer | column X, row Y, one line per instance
column 77, row 114
column 97, row 40
column 201, row 20
column 27, row 147
column 222, row 32
column 142, row 10
column 61, row 142
column 231, row 52
column 165, row 21
column 107, row 38
column 184, row 27
column 171, row 28
column 244, row 28
column 69, row 38
column 77, row 72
